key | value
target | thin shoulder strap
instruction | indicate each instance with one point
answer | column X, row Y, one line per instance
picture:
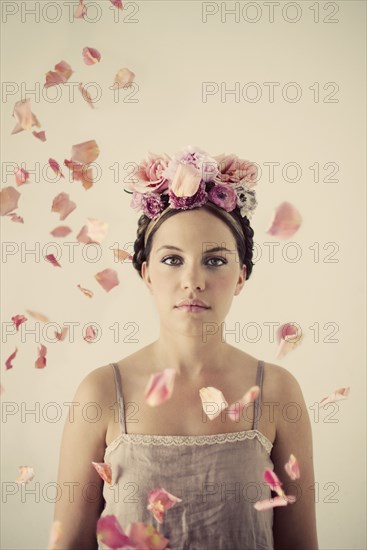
column 119, row 398
column 259, row 382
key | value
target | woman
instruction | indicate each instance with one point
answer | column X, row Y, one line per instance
column 194, row 246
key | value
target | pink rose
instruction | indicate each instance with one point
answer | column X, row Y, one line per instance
column 233, row 170
column 148, row 176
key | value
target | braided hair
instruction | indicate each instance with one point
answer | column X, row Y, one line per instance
column 244, row 241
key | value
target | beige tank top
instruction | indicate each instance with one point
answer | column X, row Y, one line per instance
column 218, row 477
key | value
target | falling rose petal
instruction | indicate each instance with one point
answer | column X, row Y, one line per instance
column 286, row 221
column 1, row 389
column 15, row 218
column 289, row 338
column 9, row 198
column 85, row 152
column 107, row 279
column 18, row 320
column 8, row 364
column 26, row 119
column 160, row 387
column 90, row 334
column 94, row 232
column 62, row 73
column 40, row 135
column 91, row 56
column 61, row 231
column 55, row 533
column 38, row 316
column 104, row 470
column 340, row 393
column 292, row 467
column 61, row 335
column 234, row 411
column 121, row 255
column 63, row 205
column 110, row 533
column 51, row 258
column 145, row 536
column 86, row 95
column 273, row 481
column 270, row 503
column 87, row 292
column 160, row 500
column 41, row 361
column 81, row 172
column 21, row 176
column 26, row 473
column 81, row 10
column 55, row 167
column 212, row 397
column 117, row 4
column 124, row 77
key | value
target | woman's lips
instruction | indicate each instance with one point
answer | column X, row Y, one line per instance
column 193, row 309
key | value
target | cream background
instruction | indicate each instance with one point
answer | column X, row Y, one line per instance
column 172, row 52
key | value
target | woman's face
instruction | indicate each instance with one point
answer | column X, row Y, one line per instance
column 192, row 272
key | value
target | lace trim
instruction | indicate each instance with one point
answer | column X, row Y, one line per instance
column 179, row 440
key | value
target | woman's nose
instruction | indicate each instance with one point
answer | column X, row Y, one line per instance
column 193, row 278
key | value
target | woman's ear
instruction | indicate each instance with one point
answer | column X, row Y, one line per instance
column 146, row 276
column 241, row 280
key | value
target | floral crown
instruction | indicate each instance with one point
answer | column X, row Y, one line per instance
column 190, row 179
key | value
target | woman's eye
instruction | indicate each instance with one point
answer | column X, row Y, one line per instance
column 218, row 259
column 169, row 258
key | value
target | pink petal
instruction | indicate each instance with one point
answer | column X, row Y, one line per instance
column 80, row 172
column 55, row 167
column 9, row 198
column 90, row 334
column 87, row 292
column 107, row 279
column 186, row 181
column 212, row 401
column 18, row 320
column 146, row 537
column 289, row 338
column 234, row 411
column 60, row 231
column 94, row 232
column 62, row 73
column 86, row 95
column 26, row 119
column 15, row 218
column 21, row 176
column 270, row 503
column 121, row 255
column 41, row 361
column 340, row 393
column 61, row 335
column 91, row 56
column 26, row 473
column 38, row 316
column 85, row 152
column 40, row 135
column 104, row 470
column 110, row 533
column 51, row 258
column 81, row 10
column 273, row 481
column 63, row 205
column 292, row 467
column 159, row 387
column 124, row 77
column 161, row 500
column 8, row 364
column 117, row 4
column 286, row 221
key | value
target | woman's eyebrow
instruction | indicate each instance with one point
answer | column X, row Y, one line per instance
column 214, row 249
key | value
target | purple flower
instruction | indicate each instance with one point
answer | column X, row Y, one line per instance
column 184, row 203
column 152, row 204
column 224, row 196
